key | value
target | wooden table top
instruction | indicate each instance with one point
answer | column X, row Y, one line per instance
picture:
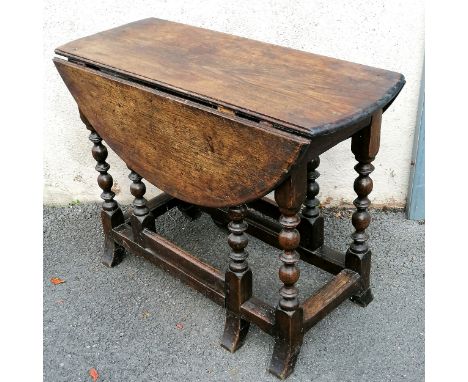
column 300, row 92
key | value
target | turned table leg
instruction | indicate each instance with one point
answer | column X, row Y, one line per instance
column 111, row 214
column 141, row 217
column 238, row 280
column 289, row 315
column 311, row 227
column 365, row 146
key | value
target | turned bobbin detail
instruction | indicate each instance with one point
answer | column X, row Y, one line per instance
column 365, row 146
column 311, row 208
column 104, row 179
column 289, row 239
column 289, row 314
column 238, row 280
column 361, row 217
column 211, row 144
column 312, row 225
column 238, row 239
column 141, row 217
column 111, row 213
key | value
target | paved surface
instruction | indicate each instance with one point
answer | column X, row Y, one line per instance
column 137, row 323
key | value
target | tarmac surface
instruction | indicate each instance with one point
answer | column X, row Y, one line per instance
column 135, row 322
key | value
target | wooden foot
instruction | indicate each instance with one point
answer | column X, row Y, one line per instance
column 365, row 146
column 238, row 281
column 235, row 331
column 288, row 342
column 113, row 253
column 364, row 299
column 289, row 314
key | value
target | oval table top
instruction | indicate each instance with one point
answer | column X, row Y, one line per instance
column 303, row 93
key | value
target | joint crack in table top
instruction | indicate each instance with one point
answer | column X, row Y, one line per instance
column 300, row 92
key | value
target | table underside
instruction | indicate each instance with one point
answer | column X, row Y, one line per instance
column 210, row 281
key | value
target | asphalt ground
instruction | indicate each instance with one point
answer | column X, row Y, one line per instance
column 135, row 322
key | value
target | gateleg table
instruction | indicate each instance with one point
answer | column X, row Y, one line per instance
column 218, row 122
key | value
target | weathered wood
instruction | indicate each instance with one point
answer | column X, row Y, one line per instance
column 238, row 281
column 159, row 135
column 289, row 315
column 200, row 276
column 141, row 217
column 266, row 230
column 259, row 313
column 111, row 214
column 158, row 205
column 365, row 146
column 302, row 92
column 266, row 206
column 311, row 227
column 189, row 269
column 217, row 122
column 316, row 307
column 324, row 257
column 188, row 263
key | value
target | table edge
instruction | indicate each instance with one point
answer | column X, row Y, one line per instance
column 328, row 128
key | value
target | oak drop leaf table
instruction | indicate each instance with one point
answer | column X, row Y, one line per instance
column 217, row 122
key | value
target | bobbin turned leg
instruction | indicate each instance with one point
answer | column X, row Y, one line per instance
column 365, row 146
column 311, row 227
column 141, row 217
column 289, row 315
column 111, row 214
column 238, row 280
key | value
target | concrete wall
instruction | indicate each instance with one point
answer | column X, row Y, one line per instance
column 385, row 34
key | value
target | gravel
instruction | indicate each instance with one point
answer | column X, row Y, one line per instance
column 135, row 322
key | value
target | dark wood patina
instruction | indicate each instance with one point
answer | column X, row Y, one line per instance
column 218, row 122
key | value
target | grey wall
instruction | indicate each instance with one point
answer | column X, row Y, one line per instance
column 385, row 34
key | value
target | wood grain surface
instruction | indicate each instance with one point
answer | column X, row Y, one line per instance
column 329, row 297
column 297, row 91
column 217, row 121
column 193, row 153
